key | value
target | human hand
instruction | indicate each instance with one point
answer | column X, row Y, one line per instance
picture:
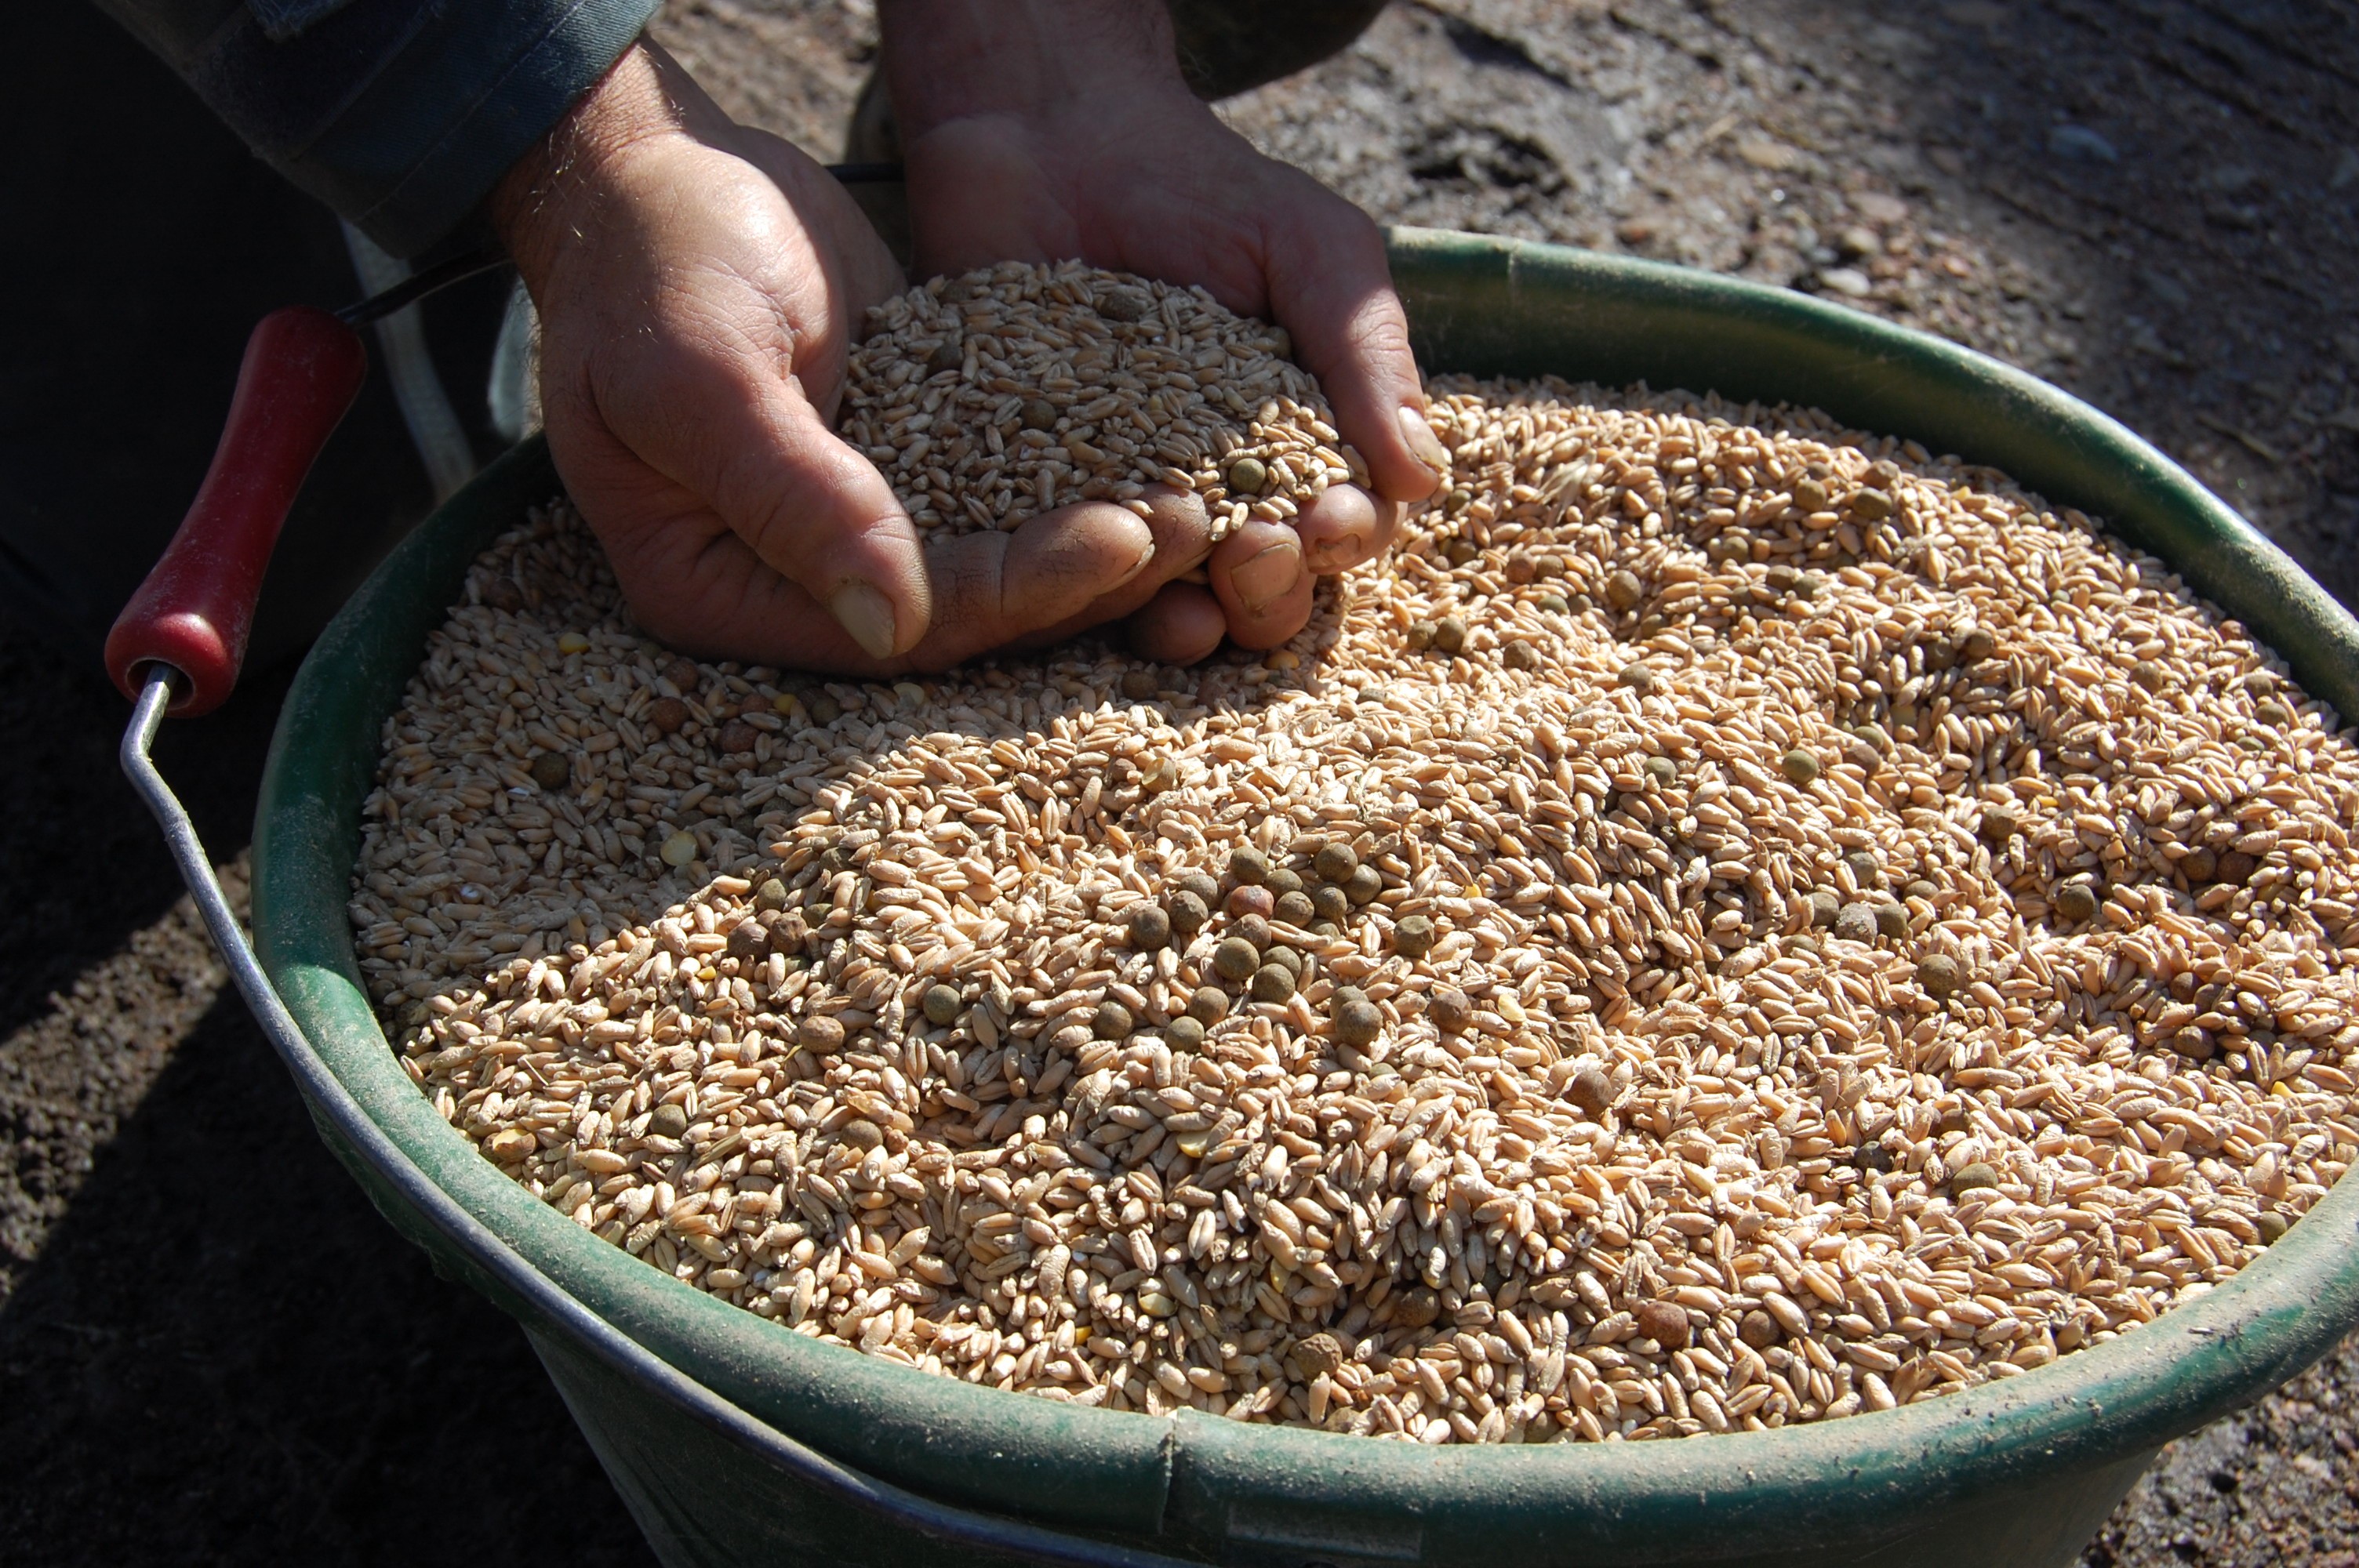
column 698, row 284
column 1039, row 130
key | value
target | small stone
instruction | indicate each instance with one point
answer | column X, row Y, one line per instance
column 1855, row 923
column 1554, row 603
column 1148, row 927
column 1358, row 1022
column 1519, row 655
column 1206, row 890
column 2076, row 902
column 668, row 1120
column 510, row 1144
column 1249, row 899
column 1111, row 1021
column 1971, row 1177
column 819, row 1032
column 1811, row 495
column 1330, row 903
column 2149, row 674
column 1460, row 552
column 1038, row 414
column 1591, row 1090
column 1419, row 636
column 1871, row 505
column 1295, row 909
column 823, row 710
column 946, row 357
column 1637, row 678
column 1283, row 880
column 1335, row 862
column 1286, row 958
column 1892, row 921
column 1413, row 938
column 1999, row 824
column 1419, row 1307
column 2272, row 1226
column 1185, row 913
column 2236, row 866
column 552, row 771
column 943, row 1004
column 2200, row 865
column 1140, row 685
column 1251, row 928
column 1665, row 1323
column 2195, row 1045
column 1449, row 635
column 1365, row 885
column 1271, row 982
column 1235, row 959
column 666, row 715
column 1977, row 646
column 1208, row 1005
column 737, row 738
column 2269, row 710
column 1246, row 476
column 747, row 941
column 1920, row 888
column 1757, row 1329
column 1825, row 904
column 1622, row 589
column 678, row 849
column 773, row 894
column 1780, row 578
column 1315, row 1356
column 1185, row 1033
column 684, row 675
column 1662, row 769
column 1866, row 871
column 1249, row 866
column 1125, row 304
column 1728, row 549
column 1940, row 975
column 1452, row 1009
column 861, row 1133
column 1799, row 766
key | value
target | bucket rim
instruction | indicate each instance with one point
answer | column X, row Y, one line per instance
column 1192, row 1476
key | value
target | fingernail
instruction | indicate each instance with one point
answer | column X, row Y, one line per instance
column 867, row 614
column 1268, row 577
column 1422, row 442
column 1145, row 554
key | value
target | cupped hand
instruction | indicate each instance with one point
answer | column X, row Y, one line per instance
column 698, row 284
column 1062, row 129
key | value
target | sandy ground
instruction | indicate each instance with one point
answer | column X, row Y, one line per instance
column 211, row 1350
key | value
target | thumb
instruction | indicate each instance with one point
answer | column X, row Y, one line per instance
column 814, row 509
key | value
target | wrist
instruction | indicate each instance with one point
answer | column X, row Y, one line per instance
column 950, row 59
column 551, row 196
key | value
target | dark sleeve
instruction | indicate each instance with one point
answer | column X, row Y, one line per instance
column 401, row 115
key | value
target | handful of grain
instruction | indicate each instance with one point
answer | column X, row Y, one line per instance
column 1737, row 923
column 988, row 397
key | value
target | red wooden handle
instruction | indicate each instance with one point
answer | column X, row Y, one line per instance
column 302, row 371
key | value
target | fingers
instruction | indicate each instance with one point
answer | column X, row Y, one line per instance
column 1180, row 625
column 1344, row 526
column 1331, row 285
column 994, row 590
column 1259, row 577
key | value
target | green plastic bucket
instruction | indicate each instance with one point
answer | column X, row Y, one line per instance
column 2020, row 1472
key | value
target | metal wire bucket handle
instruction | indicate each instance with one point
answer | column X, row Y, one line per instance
column 176, row 648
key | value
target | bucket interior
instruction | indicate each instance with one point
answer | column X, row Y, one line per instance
column 1197, row 1483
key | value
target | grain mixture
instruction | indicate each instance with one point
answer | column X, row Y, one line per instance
column 992, row 397
column 1734, row 924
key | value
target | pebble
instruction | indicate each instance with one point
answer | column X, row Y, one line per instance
column 1999, row 824
column 1185, row 911
column 1920, row 888
column 1892, row 919
column 1449, row 635
column 1977, row 646
column 861, row 1133
column 1330, row 903
column 1811, row 495
column 1824, row 906
column 1665, row 1323
column 2272, row 1226
column 1284, row 880
column 1295, row 909
column 1855, row 923
column 1622, row 589
column 1871, row 505
column 943, row 1004
column 747, row 941
column 1452, row 1009
column 1866, row 871
column 1248, row 475
column 1148, row 927
column 819, row 1032
column 666, row 715
column 773, row 894
column 1591, row 1090
column 668, row 1120
column 1206, row 890
column 1316, row 1356
column 1038, row 414
column 1185, row 1033
column 1413, row 938
column 1799, row 766
column 1235, row 959
column 1519, row 655
column 1662, row 769
column 1335, row 862
column 1357, row 1020
column 1251, row 928
column 1967, row 1178
column 1208, row 1005
column 1111, row 1021
column 1251, row 899
column 2149, row 674
column 552, row 771
column 1272, row 982
column 1637, row 678
column 737, row 738
column 2076, row 902
column 1940, row 975
column 1363, row 885
column 1249, row 866
column 1757, row 1329
column 1140, row 685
